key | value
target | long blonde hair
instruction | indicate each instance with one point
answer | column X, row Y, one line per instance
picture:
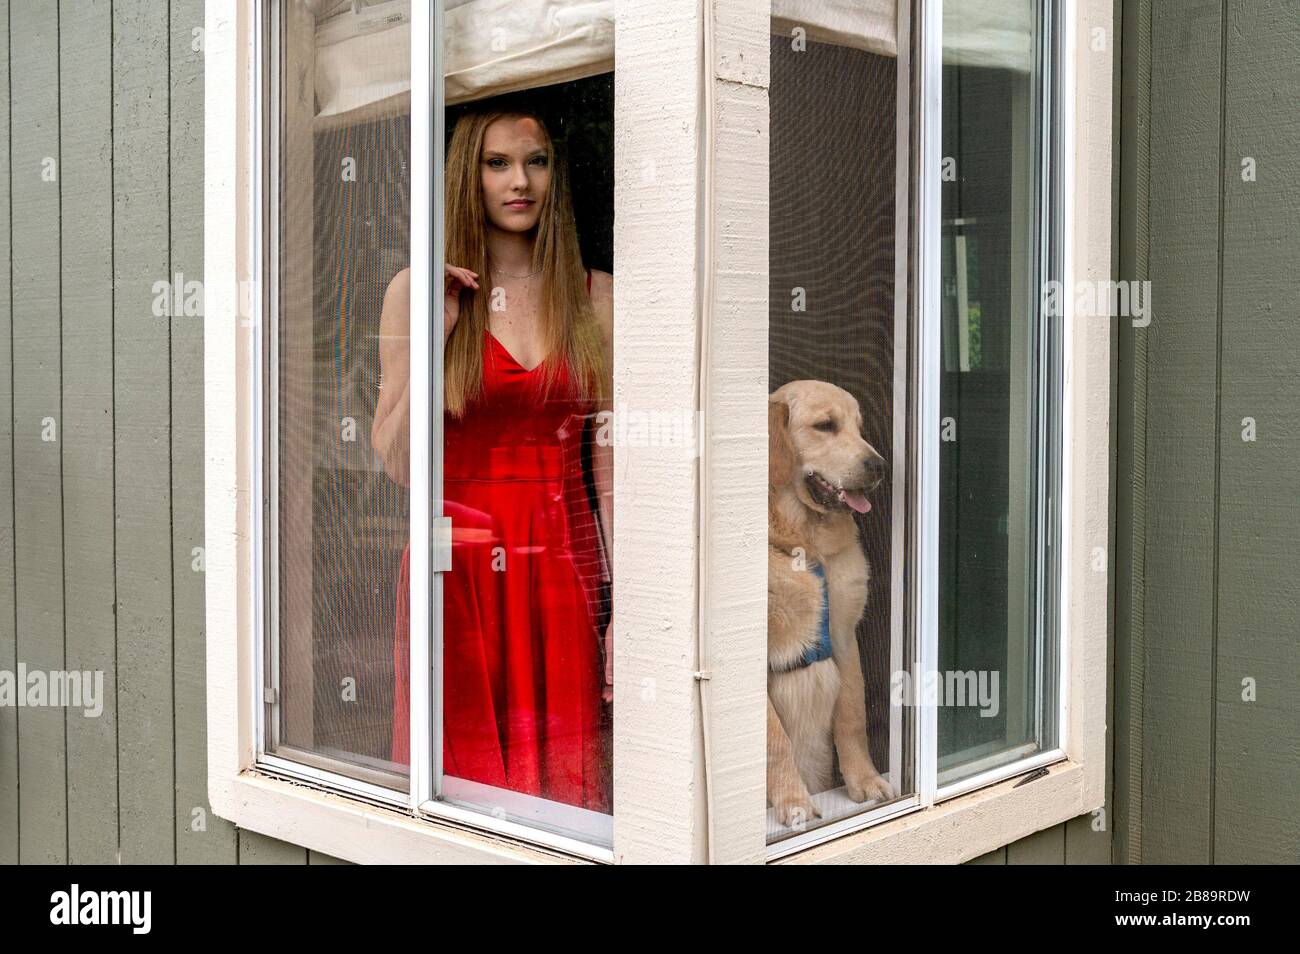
column 568, row 322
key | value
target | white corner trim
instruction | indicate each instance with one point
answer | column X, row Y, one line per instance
column 659, row 813
column 734, row 356
column 226, row 234
column 1088, row 257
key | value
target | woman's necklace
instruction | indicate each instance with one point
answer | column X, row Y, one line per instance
column 497, row 271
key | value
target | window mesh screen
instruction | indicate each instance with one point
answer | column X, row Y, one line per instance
column 344, row 201
column 832, row 192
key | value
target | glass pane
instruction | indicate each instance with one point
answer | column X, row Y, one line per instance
column 340, row 151
column 528, row 359
column 526, row 707
column 992, row 692
column 835, row 584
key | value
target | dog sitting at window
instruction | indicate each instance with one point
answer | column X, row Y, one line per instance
column 820, row 470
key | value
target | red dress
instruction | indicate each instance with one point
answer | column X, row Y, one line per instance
column 522, row 682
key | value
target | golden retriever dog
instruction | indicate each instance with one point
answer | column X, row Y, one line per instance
column 820, row 470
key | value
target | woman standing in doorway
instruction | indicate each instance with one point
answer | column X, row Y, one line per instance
column 528, row 358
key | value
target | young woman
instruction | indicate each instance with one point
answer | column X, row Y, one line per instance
column 528, row 357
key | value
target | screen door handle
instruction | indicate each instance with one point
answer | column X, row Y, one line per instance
column 440, row 545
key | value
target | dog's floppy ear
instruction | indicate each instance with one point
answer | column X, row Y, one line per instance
column 780, row 449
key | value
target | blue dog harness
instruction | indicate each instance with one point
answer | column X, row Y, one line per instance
column 821, row 649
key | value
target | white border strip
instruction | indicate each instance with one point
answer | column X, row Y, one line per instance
column 999, row 773
column 525, row 834
column 845, row 826
column 421, row 337
column 257, row 323
column 899, row 635
column 332, row 781
column 1065, row 67
column 929, row 354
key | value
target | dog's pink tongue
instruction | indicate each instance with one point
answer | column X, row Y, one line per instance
column 857, row 501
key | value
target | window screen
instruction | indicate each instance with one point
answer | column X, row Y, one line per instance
column 339, row 212
column 832, row 413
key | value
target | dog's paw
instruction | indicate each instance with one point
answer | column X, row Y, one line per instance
column 797, row 811
column 868, row 786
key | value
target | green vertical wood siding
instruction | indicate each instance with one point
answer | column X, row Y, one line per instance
column 38, row 432
column 142, row 433
column 8, row 628
column 1257, row 633
column 101, row 526
column 86, row 122
column 1181, row 425
column 1213, row 517
column 1128, row 412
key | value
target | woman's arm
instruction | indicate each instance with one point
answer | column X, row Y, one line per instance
column 602, row 297
column 602, row 454
column 390, row 430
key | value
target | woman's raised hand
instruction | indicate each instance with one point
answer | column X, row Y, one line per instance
column 607, row 690
column 455, row 278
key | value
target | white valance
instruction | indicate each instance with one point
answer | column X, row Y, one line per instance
column 870, row 25
column 995, row 33
column 363, row 62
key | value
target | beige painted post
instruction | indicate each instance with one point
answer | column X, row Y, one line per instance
column 658, row 764
column 734, row 517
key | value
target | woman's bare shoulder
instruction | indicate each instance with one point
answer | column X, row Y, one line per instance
column 396, row 310
column 400, row 285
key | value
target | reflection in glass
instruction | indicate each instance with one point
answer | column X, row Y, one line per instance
column 990, row 658
column 528, row 309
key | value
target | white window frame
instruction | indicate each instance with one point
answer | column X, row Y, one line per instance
column 689, row 745
column 1052, row 573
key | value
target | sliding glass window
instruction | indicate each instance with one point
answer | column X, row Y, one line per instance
column 437, row 574
column 914, row 410
column 999, row 441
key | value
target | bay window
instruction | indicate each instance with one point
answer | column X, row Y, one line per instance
column 822, row 232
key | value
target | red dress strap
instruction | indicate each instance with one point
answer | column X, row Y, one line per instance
column 589, row 281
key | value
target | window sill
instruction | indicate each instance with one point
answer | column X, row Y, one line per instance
column 965, row 826
column 360, row 832
column 951, row 832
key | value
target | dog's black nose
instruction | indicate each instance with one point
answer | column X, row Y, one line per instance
column 875, row 468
